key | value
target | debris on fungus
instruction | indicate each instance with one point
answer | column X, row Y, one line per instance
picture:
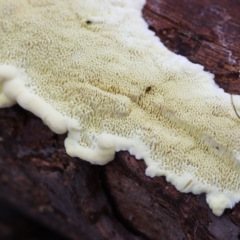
column 93, row 69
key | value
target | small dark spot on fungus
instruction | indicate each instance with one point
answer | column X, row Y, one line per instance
column 88, row 22
column 148, row 89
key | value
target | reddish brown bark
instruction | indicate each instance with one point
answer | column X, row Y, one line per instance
column 117, row 201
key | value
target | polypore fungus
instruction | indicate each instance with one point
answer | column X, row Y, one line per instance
column 93, row 69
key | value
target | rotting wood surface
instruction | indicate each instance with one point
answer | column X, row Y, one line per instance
column 117, row 201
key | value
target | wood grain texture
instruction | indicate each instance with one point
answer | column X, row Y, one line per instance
column 117, row 201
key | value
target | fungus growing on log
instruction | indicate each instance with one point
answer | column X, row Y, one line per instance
column 94, row 69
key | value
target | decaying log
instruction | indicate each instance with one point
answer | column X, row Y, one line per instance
column 117, row 201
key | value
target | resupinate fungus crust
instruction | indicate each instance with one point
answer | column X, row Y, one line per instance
column 92, row 68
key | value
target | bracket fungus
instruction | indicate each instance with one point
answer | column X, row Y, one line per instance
column 92, row 68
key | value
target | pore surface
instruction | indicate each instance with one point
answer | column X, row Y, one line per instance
column 93, row 68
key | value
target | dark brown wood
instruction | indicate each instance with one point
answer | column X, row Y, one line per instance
column 117, row 201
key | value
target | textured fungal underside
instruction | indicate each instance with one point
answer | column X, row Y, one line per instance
column 94, row 70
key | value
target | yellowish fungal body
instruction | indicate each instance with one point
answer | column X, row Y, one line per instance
column 93, row 69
